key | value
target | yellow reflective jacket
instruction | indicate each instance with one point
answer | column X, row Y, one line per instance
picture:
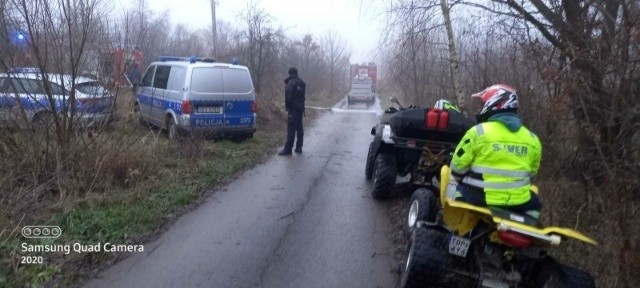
column 505, row 154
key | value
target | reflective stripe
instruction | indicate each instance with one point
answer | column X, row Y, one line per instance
column 501, row 172
column 456, row 170
column 533, row 213
column 479, row 129
column 496, row 185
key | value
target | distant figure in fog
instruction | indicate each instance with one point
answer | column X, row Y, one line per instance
column 294, row 104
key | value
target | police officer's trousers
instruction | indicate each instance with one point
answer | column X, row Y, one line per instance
column 294, row 128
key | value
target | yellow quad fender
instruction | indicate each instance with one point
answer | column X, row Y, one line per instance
column 462, row 217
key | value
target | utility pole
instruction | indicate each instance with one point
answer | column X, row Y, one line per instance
column 214, row 30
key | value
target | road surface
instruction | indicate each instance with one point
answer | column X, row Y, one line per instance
column 301, row 221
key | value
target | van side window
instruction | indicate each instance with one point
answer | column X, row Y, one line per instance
column 176, row 78
column 162, row 77
column 15, row 86
column 56, row 89
column 148, row 76
column 28, row 86
column 236, row 81
column 4, row 85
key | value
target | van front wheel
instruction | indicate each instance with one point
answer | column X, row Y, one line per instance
column 138, row 114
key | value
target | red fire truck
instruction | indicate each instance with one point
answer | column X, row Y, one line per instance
column 365, row 70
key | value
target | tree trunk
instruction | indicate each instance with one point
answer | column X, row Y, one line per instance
column 456, row 77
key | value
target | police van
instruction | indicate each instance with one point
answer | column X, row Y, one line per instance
column 197, row 95
column 25, row 90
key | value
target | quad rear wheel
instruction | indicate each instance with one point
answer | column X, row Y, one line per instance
column 371, row 158
column 426, row 261
column 556, row 275
column 384, row 176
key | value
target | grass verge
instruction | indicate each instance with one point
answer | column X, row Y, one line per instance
column 185, row 173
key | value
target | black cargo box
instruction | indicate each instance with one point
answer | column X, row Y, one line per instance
column 430, row 124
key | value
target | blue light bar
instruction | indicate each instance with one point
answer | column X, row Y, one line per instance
column 172, row 58
column 191, row 59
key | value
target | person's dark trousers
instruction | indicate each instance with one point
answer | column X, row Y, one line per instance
column 294, row 128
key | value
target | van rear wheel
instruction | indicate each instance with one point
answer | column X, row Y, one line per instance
column 172, row 129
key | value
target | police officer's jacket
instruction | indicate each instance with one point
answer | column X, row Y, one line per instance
column 294, row 93
column 500, row 156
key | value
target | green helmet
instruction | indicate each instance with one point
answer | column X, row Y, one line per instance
column 443, row 104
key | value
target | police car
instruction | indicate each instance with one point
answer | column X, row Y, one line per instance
column 25, row 89
column 189, row 94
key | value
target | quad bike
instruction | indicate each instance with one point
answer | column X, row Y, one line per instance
column 471, row 246
column 413, row 141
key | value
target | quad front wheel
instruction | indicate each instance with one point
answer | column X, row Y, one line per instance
column 384, row 176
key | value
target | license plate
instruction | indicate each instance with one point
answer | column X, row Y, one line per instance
column 210, row 110
column 459, row 246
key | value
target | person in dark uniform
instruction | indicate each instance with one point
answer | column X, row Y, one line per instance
column 134, row 76
column 294, row 104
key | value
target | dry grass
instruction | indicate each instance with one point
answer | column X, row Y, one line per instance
column 605, row 207
column 597, row 212
column 37, row 171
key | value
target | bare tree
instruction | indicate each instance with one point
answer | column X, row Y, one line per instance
column 417, row 52
column 337, row 57
column 260, row 41
column 456, row 77
column 59, row 34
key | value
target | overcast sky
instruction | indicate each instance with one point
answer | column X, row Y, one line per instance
column 357, row 21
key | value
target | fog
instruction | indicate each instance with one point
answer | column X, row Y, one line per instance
column 359, row 22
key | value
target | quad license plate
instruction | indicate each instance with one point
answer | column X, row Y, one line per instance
column 459, row 246
column 210, row 110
